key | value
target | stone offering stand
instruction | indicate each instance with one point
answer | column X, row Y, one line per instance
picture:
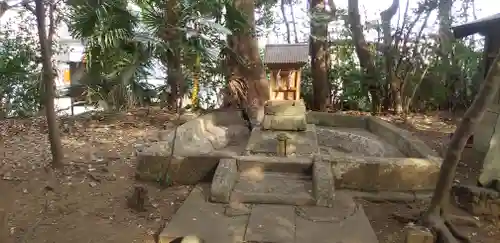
column 309, row 165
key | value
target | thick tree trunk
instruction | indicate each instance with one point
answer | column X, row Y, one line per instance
column 392, row 79
column 436, row 213
column 252, row 70
column 319, row 53
column 48, row 84
column 365, row 57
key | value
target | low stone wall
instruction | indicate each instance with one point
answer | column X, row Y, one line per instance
column 194, row 153
column 417, row 171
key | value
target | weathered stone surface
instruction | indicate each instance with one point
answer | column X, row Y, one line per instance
column 491, row 163
column 389, row 196
column 355, row 228
column 271, row 223
column 417, row 234
column 194, row 153
column 224, row 180
column 285, row 123
column 336, row 120
column 237, row 209
column 405, row 142
column 285, row 108
column 483, row 132
column 344, row 207
column 191, row 170
column 274, row 164
column 355, row 141
column 204, row 220
column 264, row 142
column 323, row 182
column 383, row 174
column 478, row 201
column 273, row 188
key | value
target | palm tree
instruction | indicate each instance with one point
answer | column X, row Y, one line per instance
column 124, row 38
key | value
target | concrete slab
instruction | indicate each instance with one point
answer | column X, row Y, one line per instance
column 354, row 228
column 271, row 223
column 205, row 220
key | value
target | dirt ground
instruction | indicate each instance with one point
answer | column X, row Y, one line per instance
column 87, row 200
column 434, row 129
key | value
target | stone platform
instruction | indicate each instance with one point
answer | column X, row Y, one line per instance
column 259, row 223
column 300, row 143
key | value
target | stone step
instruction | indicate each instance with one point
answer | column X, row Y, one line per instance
column 273, row 188
column 300, row 165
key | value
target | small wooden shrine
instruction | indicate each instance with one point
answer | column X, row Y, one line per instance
column 285, row 62
column 487, row 133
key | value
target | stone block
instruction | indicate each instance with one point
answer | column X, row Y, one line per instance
column 191, row 170
column 285, row 108
column 418, row 234
column 402, row 139
column 286, row 123
column 384, row 174
column 336, row 120
column 323, row 183
column 224, row 180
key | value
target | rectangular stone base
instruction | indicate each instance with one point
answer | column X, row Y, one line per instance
column 287, row 123
column 300, row 143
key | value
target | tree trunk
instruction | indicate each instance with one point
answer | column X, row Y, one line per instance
column 294, row 24
column 365, row 57
column 252, row 70
column 440, row 199
column 285, row 19
column 445, row 42
column 318, row 42
column 173, row 55
column 48, row 83
column 392, row 79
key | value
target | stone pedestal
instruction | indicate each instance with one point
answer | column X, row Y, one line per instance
column 284, row 115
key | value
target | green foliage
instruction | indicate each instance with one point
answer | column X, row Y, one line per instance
column 122, row 43
column 19, row 73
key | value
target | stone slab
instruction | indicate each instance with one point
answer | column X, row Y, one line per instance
column 224, row 180
column 356, row 141
column 204, row 220
column 273, row 188
column 284, row 123
column 323, row 182
column 271, row 223
column 285, row 107
column 274, row 164
column 264, row 142
column 491, row 163
column 383, row 174
column 355, row 228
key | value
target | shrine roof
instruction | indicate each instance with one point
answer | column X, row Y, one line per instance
column 481, row 26
column 286, row 54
